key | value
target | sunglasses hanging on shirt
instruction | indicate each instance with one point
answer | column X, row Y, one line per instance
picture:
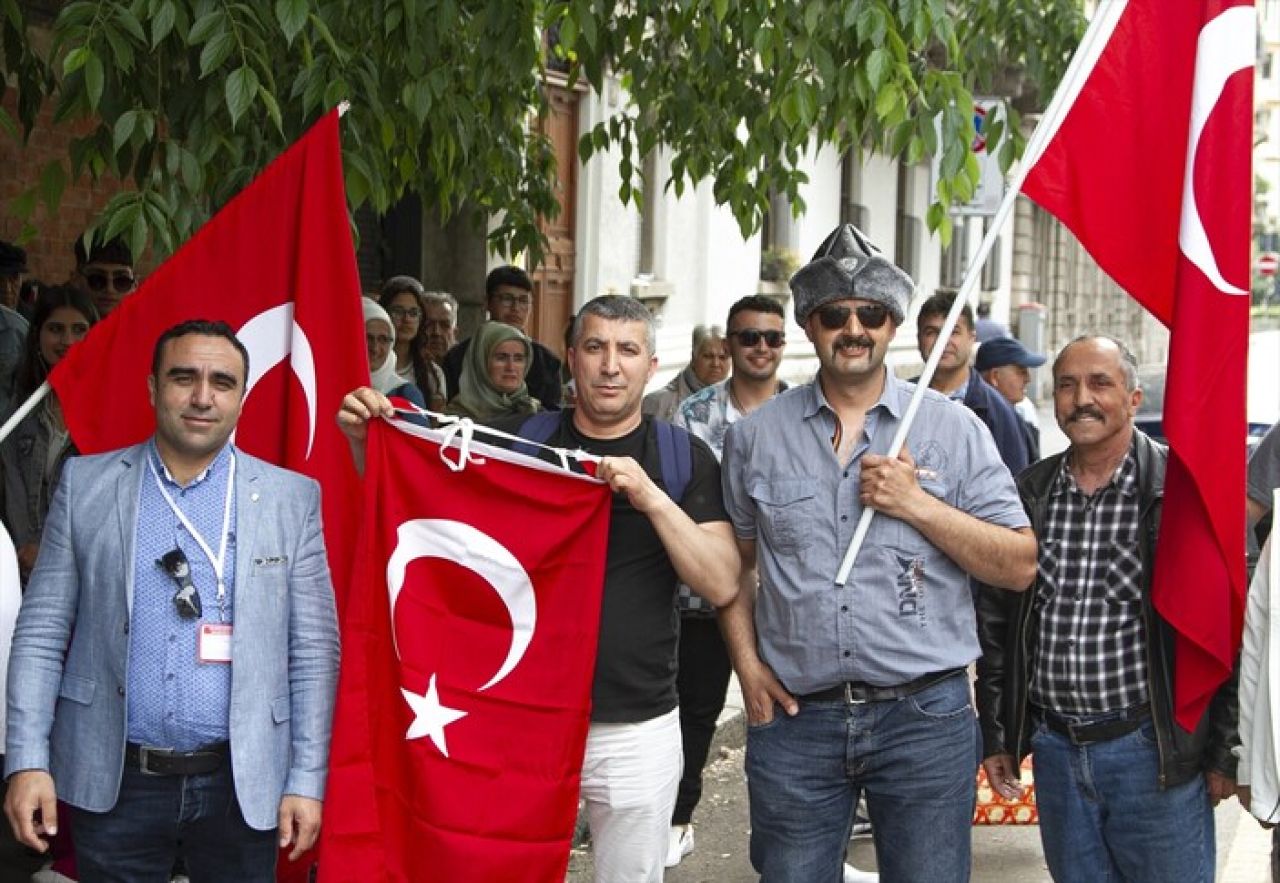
column 186, row 599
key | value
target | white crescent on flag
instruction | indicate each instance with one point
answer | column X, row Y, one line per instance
column 1218, row 58
column 271, row 336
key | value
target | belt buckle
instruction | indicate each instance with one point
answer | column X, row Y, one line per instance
column 144, row 761
column 848, row 695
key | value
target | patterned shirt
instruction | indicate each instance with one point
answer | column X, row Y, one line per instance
column 708, row 414
column 174, row 700
column 1091, row 653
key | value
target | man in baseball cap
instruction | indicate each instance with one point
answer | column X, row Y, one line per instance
column 1006, row 364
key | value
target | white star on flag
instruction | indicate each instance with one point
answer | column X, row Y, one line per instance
column 430, row 717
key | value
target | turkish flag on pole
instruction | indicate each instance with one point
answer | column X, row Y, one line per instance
column 277, row 264
column 1150, row 167
column 468, row 653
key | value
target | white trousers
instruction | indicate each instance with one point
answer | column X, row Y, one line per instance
column 629, row 779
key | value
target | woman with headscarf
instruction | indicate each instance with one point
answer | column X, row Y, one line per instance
column 492, row 383
column 709, row 364
column 380, row 337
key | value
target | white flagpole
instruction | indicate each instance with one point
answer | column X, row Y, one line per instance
column 1091, row 46
column 24, row 409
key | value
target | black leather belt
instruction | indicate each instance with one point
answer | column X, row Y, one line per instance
column 164, row 762
column 858, row 692
column 1089, row 732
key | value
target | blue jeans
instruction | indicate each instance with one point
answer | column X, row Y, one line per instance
column 1104, row 818
column 916, row 760
column 158, row 818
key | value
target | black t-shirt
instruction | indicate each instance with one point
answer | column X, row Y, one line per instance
column 635, row 677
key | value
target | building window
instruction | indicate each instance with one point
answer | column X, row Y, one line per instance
column 852, row 209
column 910, row 229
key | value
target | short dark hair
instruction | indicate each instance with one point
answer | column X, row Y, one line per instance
column 617, row 308
column 113, row 251
column 755, row 303
column 507, row 275
column 205, row 328
column 397, row 284
column 940, row 305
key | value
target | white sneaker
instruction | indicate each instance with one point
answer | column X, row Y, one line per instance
column 679, row 844
column 853, row 875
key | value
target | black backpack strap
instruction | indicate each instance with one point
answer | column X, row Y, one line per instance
column 538, row 428
column 675, row 458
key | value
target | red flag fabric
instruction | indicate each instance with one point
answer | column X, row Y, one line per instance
column 468, row 654
column 277, row 264
column 1150, row 167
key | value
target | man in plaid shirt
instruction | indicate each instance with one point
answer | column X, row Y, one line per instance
column 1079, row 670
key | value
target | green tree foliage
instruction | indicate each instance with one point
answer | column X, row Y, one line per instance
column 185, row 100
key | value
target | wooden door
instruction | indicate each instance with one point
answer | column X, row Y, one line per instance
column 553, row 281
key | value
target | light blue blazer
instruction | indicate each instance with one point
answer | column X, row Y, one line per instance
column 68, row 666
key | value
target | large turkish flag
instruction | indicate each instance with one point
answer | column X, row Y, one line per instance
column 468, row 652
column 277, row 264
column 1150, row 166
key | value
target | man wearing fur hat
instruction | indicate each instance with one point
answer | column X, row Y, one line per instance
column 860, row 689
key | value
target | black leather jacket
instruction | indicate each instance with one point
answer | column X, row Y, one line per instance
column 1005, row 624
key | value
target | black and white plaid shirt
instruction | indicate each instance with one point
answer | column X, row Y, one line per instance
column 1091, row 652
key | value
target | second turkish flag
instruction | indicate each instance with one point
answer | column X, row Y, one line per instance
column 468, row 653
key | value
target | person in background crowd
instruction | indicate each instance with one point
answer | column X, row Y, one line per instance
column 987, row 328
column 33, row 455
column 380, row 337
column 493, row 376
column 756, row 339
column 13, row 326
column 956, row 380
column 508, row 293
column 402, row 298
column 27, row 297
column 632, row 762
column 1078, row 670
column 709, row 364
column 862, row 687
column 1005, row 364
column 122, row 700
column 441, row 323
column 105, row 273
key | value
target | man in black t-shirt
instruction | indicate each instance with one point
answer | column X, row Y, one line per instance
column 633, row 756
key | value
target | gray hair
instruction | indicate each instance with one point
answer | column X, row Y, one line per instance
column 618, row 308
column 1128, row 361
column 705, row 334
column 398, row 284
column 444, row 297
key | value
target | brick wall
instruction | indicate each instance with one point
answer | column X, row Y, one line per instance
column 50, row 254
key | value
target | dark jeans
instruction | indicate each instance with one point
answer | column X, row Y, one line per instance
column 915, row 759
column 1103, row 815
column 159, row 818
column 701, row 682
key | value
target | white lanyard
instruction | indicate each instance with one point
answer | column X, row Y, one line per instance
column 220, row 560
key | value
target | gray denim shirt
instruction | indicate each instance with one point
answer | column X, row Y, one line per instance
column 906, row 610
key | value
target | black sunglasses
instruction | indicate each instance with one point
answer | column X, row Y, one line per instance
column 749, row 337
column 186, row 599
column 121, row 282
column 870, row 316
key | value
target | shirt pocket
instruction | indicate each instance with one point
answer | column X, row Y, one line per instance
column 1048, row 562
column 1122, row 580
column 787, row 512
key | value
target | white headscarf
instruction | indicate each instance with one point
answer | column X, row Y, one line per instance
column 382, row 377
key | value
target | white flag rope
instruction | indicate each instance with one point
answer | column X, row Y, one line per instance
column 1095, row 38
column 459, row 432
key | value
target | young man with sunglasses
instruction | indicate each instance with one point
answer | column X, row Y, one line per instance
column 508, row 293
column 174, row 663
column 861, row 688
column 105, row 273
column 756, row 339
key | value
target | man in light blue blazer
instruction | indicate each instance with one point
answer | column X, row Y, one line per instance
column 174, row 664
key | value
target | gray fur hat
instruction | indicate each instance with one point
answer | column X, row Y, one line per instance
column 847, row 265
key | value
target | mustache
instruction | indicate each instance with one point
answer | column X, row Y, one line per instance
column 848, row 340
column 1086, row 411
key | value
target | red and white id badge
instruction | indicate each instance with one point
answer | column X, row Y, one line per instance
column 215, row 642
